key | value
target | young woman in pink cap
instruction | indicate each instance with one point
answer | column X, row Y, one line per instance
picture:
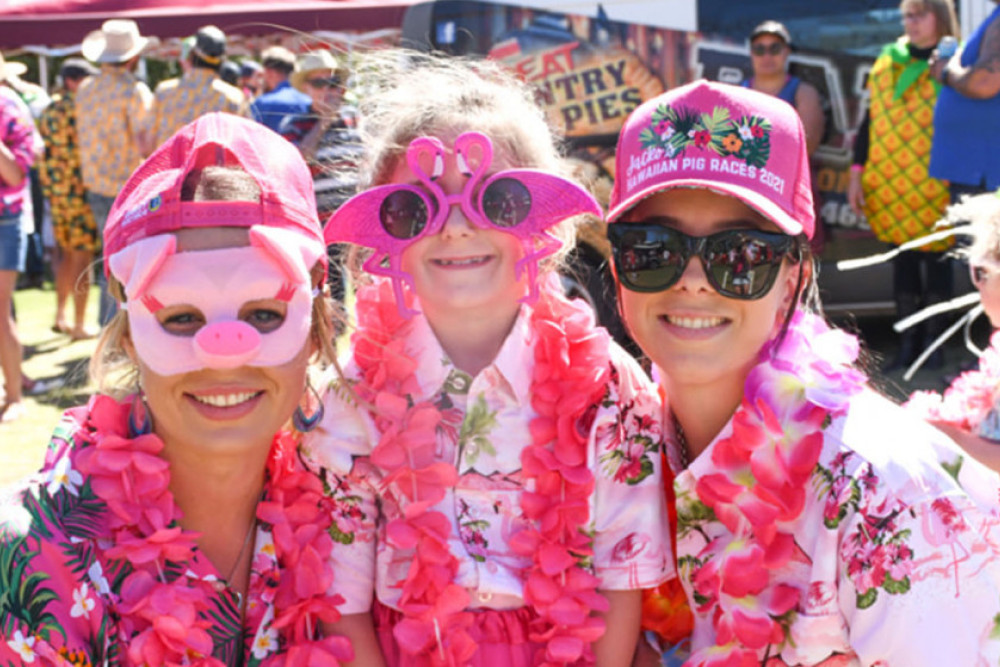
column 499, row 494
column 816, row 522
column 173, row 522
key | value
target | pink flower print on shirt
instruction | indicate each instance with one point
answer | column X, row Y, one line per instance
column 629, row 461
column 473, row 532
column 876, row 551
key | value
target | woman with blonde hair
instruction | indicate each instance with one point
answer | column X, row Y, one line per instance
column 173, row 522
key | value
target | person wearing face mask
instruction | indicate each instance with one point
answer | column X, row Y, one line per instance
column 173, row 521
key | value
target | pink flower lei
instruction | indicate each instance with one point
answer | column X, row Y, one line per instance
column 572, row 366
column 970, row 397
column 759, row 486
column 162, row 619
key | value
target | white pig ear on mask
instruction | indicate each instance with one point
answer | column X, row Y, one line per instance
column 295, row 254
column 136, row 265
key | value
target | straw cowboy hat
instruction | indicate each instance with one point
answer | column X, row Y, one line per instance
column 8, row 70
column 117, row 41
column 316, row 60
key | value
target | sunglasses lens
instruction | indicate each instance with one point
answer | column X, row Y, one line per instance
column 744, row 265
column 403, row 214
column 506, row 202
column 773, row 49
column 647, row 259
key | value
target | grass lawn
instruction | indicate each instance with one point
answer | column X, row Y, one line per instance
column 46, row 355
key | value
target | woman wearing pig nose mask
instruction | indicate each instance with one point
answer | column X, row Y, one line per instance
column 173, row 521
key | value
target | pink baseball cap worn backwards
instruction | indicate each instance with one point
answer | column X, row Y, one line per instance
column 150, row 201
column 285, row 243
column 720, row 137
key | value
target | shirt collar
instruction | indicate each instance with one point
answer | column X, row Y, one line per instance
column 514, row 363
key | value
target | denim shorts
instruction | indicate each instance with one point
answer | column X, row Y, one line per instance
column 13, row 244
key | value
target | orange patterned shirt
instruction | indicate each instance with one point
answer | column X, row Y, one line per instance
column 179, row 101
column 111, row 110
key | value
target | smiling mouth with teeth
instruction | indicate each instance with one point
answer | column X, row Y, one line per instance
column 695, row 322
column 227, row 400
column 468, row 261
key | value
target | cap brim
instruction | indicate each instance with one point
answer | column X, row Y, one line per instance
column 754, row 200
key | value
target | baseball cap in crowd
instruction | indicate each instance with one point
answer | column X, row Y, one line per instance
column 720, row 137
column 209, row 44
column 250, row 67
column 150, row 201
column 772, row 28
column 229, row 72
column 76, row 68
column 278, row 58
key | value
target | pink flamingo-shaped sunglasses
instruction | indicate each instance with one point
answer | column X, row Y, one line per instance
column 521, row 202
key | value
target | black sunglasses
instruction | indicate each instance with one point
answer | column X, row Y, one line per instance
column 774, row 48
column 739, row 263
column 331, row 82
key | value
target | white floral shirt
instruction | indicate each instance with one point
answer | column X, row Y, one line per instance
column 485, row 428
column 897, row 549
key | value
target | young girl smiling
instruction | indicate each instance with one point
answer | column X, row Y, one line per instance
column 500, row 491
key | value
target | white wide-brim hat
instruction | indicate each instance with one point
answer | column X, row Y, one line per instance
column 117, row 41
column 11, row 69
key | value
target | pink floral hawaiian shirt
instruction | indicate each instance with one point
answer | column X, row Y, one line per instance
column 487, row 419
column 61, row 592
column 897, row 549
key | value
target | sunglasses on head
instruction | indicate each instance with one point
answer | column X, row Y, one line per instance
column 739, row 263
column 774, row 48
column 324, row 82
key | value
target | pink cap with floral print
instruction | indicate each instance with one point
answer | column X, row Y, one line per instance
column 721, row 137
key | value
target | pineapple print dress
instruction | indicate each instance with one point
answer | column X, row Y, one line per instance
column 902, row 201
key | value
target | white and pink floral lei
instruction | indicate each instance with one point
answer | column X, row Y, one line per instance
column 970, row 397
column 758, row 486
column 572, row 367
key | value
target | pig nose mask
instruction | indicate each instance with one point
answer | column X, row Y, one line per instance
column 218, row 283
